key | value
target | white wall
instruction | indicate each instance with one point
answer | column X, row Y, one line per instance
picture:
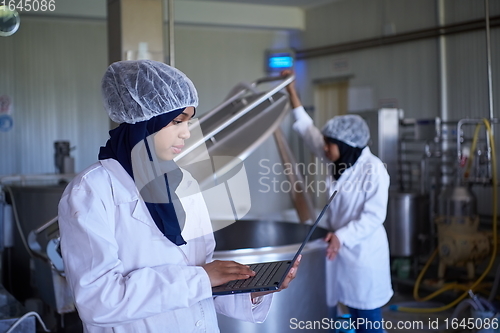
column 52, row 67
column 217, row 59
column 407, row 73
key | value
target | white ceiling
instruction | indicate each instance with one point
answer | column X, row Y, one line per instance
column 293, row 3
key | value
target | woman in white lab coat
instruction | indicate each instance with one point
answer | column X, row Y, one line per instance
column 136, row 238
column 358, row 268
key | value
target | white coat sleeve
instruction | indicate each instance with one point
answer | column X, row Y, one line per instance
column 104, row 294
column 372, row 215
column 311, row 135
column 239, row 306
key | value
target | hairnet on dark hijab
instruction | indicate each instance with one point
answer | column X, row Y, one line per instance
column 145, row 96
column 350, row 129
column 135, row 91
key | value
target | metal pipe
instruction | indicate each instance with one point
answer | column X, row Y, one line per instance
column 443, row 82
column 443, row 73
column 240, row 114
column 423, row 175
column 472, row 121
column 46, row 225
column 214, row 111
column 434, row 32
column 171, row 49
column 41, row 177
column 488, row 54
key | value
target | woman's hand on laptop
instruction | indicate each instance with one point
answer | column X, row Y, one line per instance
column 290, row 276
column 220, row 271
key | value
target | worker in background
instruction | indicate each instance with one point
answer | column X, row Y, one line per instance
column 136, row 237
column 358, row 268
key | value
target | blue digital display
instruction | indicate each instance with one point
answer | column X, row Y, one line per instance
column 280, row 62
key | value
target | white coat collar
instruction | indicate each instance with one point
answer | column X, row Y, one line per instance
column 123, row 186
column 364, row 153
column 125, row 189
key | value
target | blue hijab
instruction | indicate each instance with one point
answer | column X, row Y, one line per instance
column 168, row 214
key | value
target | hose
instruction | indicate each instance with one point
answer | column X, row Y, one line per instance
column 464, row 305
column 29, row 314
column 495, row 285
column 493, row 255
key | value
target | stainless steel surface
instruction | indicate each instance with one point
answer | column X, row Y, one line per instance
column 488, row 59
column 255, row 241
column 427, row 129
column 238, row 112
column 407, row 218
column 443, row 64
column 171, row 40
column 50, row 253
column 33, row 277
column 460, row 138
column 62, row 149
column 384, row 137
column 234, row 130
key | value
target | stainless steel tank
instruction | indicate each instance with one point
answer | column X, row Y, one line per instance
column 407, row 218
column 35, row 205
column 252, row 241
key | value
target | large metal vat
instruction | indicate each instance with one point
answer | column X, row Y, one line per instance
column 407, row 218
column 252, row 241
column 35, row 205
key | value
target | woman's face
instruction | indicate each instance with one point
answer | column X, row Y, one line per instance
column 169, row 141
column 331, row 150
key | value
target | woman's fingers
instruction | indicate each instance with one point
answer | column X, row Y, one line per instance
column 333, row 245
column 292, row 273
column 220, row 271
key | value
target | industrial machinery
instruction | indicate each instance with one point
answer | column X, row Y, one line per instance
column 455, row 169
column 452, row 170
column 431, row 202
column 459, row 241
column 220, row 142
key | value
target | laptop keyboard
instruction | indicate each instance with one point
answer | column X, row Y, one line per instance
column 263, row 275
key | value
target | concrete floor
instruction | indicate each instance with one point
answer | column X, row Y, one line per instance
column 414, row 322
column 435, row 322
column 395, row 321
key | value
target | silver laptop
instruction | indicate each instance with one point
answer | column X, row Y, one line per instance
column 269, row 275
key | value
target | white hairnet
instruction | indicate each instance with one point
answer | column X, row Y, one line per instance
column 350, row 129
column 135, row 91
